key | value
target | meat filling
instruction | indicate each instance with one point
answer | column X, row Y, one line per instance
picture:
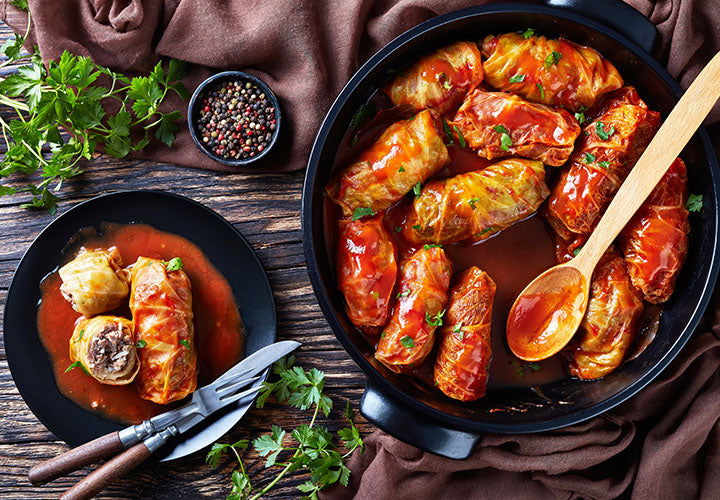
column 110, row 352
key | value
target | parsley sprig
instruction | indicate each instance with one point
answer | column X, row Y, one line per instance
column 67, row 94
column 311, row 445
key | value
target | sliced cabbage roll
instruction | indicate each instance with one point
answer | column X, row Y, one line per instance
column 105, row 346
column 439, row 80
column 161, row 306
column 408, row 152
column 477, row 204
column 93, row 282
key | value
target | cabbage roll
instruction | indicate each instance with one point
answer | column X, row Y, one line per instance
column 161, row 306
column 461, row 366
column 655, row 241
column 93, row 282
column 497, row 124
column 408, row 152
column 366, row 270
column 422, row 294
column 606, row 153
column 105, row 346
column 439, row 80
column 610, row 323
column 554, row 72
column 477, row 204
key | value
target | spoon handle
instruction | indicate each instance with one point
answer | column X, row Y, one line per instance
column 674, row 134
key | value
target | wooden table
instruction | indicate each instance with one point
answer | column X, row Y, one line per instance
column 265, row 208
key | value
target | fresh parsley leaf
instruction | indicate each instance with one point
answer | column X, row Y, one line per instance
column 589, row 158
column 434, row 320
column 694, row 203
column 505, row 142
column 552, row 58
column 448, row 132
column 361, row 212
column 457, row 328
column 580, row 117
column 461, row 139
column 75, row 365
column 407, row 342
column 174, row 264
column 601, row 132
column 140, row 343
column 218, row 450
column 270, row 445
column 604, row 164
column 363, row 114
column 185, row 343
column 517, row 78
column 382, row 335
column 416, row 190
column 417, row 227
column 401, row 169
column 428, row 246
column 577, row 250
column 542, row 91
column 500, row 129
column 528, row 33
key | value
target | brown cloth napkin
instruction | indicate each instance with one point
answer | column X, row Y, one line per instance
column 305, row 51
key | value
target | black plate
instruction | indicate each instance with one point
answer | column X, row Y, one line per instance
column 423, row 417
column 223, row 245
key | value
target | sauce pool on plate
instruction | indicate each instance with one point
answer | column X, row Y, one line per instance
column 219, row 330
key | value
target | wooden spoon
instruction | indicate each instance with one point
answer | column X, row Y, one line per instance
column 547, row 313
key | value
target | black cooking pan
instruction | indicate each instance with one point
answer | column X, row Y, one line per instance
column 422, row 417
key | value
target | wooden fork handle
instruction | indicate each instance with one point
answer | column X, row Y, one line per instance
column 75, row 459
column 108, row 473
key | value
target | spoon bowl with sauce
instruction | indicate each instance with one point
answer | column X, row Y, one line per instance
column 548, row 312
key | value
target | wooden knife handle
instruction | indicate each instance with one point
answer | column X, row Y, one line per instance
column 75, row 459
column 108, row 473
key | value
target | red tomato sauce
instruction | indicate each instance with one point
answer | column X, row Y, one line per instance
column 219, row 331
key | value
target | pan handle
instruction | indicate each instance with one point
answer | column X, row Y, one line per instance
column 615, row 14
column 413, row 428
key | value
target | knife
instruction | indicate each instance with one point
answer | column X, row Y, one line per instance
column 181, row 418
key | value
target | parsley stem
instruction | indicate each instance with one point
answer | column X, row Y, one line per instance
column 34, row 153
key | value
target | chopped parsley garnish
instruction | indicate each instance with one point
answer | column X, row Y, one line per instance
column 694, row 203
column 362, row 114
column 528, row 33
column 75, row 365
column 601, row 133
column 174, row 264
column 408, row 342
column 542, row 92
column 446, row 84
column 398, row 229
column 551, row 59
column 505, row 140
column 472, row 202
column 580, row 115
column 361, row 212
column 460, row 137
column 401, row 169
column 140, row 344
column 589, row 158
column 448, row 132
column 80, row 336
column 604, row 164
column 536, row 367
column 185, row 343
column 457, row 328
column 374, row 295
column 428, row 246
column 416, row 227
column 382, row 335
column 517, row 78
column 403, row 294
column 434, row 320
column 412, row 118
column 416, row 189
column 577, row 250
column 483, row 232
